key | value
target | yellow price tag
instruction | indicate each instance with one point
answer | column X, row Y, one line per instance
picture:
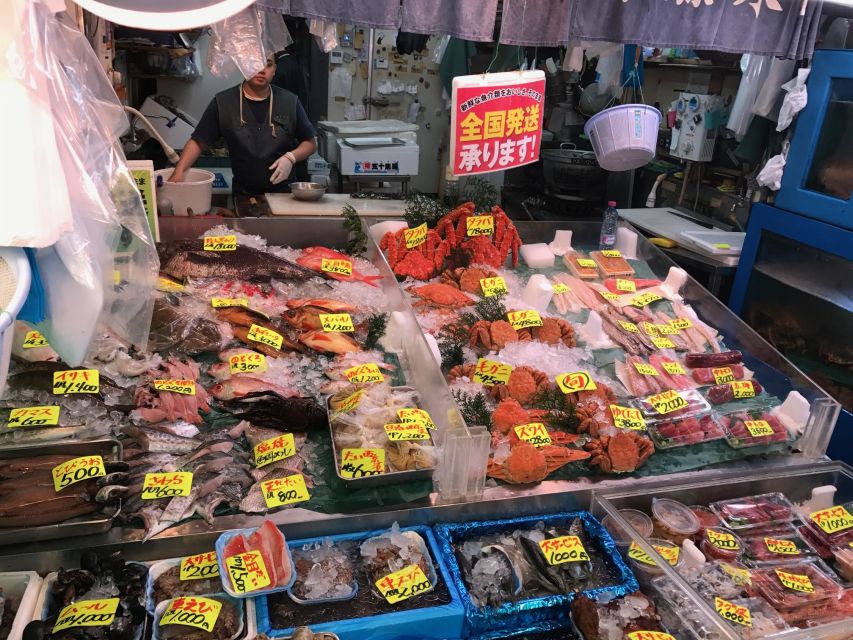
column 722, row 375
column 743, row 389
column 524, row 319
column 586, row 263
column 247, row 572
column 667, row 402
column 722, row 540
column 184, row 387
column 34, row 339
column 169, row 286
column 681, row 323
column 219, row 303
column 87, row 613
column 649, row 328
column 535, row 433
column 33, row 417
column 350, row 402
column 493, row 286
column 649, row 635
column 758, row 428
column 722, row 245
column 339, row 322
column 360, row 463
column 76, row 381
column 645, row 369
column 784, row 547
column 662, row 343
column 670, row 554
column 340, row 266
column 406, row 583
column 166, row 485
column 199, row 566
column 409, row 415
column 832, row 520
column 559, row 288
column 406, row 431
column 611, row 253
column 220, row 243
column 279, row 492
column 491, row 373
column 625, row 285
column 415, row 237
column 192, row 611
column 274, row 449
column 563, row 549
column 610, row 296
column 795, row 581
column 666, row 330
column 479, row 225
column 576, row 381
column 627, row 418
column 742, row 577
column 673, row 368
column 733, row 612
column 629, row 326
column 644, row 299
column 247, row 363
column 364, row 374
column 77, row 470
column 265, row 336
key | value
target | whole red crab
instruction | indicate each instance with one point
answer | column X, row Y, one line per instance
column 489, row 250
column 421, row 262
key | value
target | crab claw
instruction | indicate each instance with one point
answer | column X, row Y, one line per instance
column 329, row 342
column 526, row 463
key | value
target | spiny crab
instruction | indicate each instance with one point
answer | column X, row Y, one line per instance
column 467, row 278
column 523, row 385
column 527, row 463
column 437, row 294
column 491, row 251
column 552, row 331
column 493, row 335
column 421, row 262
column 622, row 453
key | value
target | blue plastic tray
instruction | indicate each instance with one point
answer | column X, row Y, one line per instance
column 535, row 614
column 438, row 622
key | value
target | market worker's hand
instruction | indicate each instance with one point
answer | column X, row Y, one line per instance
column 281, row 168
column 177, row 176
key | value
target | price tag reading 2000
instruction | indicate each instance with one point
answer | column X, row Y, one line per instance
column 667, row 402
column 406, row 583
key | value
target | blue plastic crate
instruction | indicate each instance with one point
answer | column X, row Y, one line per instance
column 534, row 614
column 437, row 622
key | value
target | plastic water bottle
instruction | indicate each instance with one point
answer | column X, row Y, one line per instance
column 608, row 226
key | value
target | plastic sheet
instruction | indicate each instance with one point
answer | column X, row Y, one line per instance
column 109, row 232
column 795, row 99
column 755, row 69
column 325, row 33
column 244, row 41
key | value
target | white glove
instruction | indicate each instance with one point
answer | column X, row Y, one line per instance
column 281, row 169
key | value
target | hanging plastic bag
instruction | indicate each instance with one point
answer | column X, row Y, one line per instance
column 440, row 48
column 795, row 100
column 755, row 69
column 244, row 41
column 767, row 101
column 771, row 173
column 325, row 32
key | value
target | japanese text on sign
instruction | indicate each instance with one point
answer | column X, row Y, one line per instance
column 611, row 253
column 274, row 449
column 184, row 387
column 681, row 323
column 480, row 225
column 722, row 540
column 246, row 362
column 33, row 417
column 644, row 298
column 524, row 319
column 795, row 581
column 662, row 343
column 279, row 492
column 563, row 549
column 247, row 572
column 490, row 373
column 493, row 286
column 496, row 121
column 673, row 368
column 666, row 330
column 403, row 584
column 649, row 328
column 34, row 339
column 364, row 373
column 832, row 520
column 415, row 237
column 220, row 243
column 559, row 288
column 192, row 611
column 758, row 428
column 200, row 566
column 82, row 468
column 649, row 635
column 629, row 326
column 406, row 431
column 76, row 381
column 645, row 369
column 670, row 554
column 350, row 402
column 586, row 263
column 742, row 577
column 784, row 547
column 265, row 336
column 339, row 322
column 336, row 265
column 625, row 285
column 575, row 381
column 169, row 286
column 219, row 303
column 166, row 485
column 627, row 418
column 743, row 389
column 610, row 296
column 535, row 433
column 722, row 374
column 733, row 612
column 419, row 416
column 87, row 613
column 360, row 463
column 667, row 402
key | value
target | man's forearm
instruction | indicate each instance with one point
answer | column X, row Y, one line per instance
column 304, row 150
column 192, row 150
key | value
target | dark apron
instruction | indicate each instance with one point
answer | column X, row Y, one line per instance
column 252, row 146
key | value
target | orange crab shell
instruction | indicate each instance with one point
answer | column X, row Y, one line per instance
column 508, row 414
column 526, row 463
column 440, row 295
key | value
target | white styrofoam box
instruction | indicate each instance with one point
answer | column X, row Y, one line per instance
column 319, row 178
column 316, row 164
column 174, row 130
column 24, row 587
column 379, row 161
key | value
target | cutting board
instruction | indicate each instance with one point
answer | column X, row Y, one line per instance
column 284, row 204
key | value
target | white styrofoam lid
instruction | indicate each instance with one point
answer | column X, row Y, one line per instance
column 724, row 243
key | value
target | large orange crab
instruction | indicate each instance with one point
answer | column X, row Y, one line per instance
column 524, row 385
column 421, row 262
column 437, row 294
column 552, row 331
column 509, row 413
column 526, row 463
column 491, row 251
column 467, row 278
column 622, row 453
column 493, row 335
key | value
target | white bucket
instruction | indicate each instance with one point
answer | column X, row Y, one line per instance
column 16, row 275
column 191, row 195
column 624, row 137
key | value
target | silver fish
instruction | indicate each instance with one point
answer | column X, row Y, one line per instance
column 181, row 428
column 159, row 441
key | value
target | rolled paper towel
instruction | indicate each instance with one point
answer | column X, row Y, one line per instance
column 538, row 292
column 675, row 279
column 381, row 228
column 537, row 256
column 562, row 242
column 626, row 242
column 691, row 554
column 793, row 413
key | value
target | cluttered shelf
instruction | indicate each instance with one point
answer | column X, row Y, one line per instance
column 824, row 284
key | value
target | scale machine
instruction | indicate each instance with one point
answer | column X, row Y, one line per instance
column 697, row 120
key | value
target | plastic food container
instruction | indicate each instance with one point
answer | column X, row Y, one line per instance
column 679, row 432
column 706, row 517
column 754, row 511
column 640, row 521
column 777, row 585
column 764, row 619
column 679, row 613
column 21, row 590
column 305, row 565
column 644, row 567
column 673, row 520
column 727, row 580
column 612, row 266
column 386, row 541
column 585, row 271
column 838, row 534
column 844, row 562
column 748, row 429
column 222, row 540
column 200, row 587
column 770, row 550
column 652, row 405
column 720, row 543
column 172, row 631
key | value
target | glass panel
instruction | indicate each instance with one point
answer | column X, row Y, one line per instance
column 831, row 171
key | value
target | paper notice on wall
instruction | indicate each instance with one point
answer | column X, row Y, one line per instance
column 340, row 83
column 355, row 112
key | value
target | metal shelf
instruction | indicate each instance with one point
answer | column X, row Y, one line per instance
column 694, row 67
column 826, row 285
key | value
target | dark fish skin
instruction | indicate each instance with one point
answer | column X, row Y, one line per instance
column 173, row 329
column 186, row 259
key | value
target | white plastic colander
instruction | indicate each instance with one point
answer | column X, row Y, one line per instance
column 15, row 278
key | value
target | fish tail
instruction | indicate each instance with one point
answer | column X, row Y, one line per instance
column 371, row 280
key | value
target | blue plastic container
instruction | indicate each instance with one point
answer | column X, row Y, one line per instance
column 535, row 614
column 438, row 622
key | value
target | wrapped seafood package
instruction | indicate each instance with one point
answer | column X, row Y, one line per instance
column 612, row 263
column 794, row 585
column 750, row 618
column 769, row 550
column 520, row 574
column 213, row 617
column 581, row 266
column 753, row 429
column 380, row 585
column 668, row 433
column 254, row 562
column 195, row 575
column 679, row 614
column 672, row 404
column 754, row 513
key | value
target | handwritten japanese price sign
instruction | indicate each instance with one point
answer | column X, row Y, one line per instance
column 563, row 549
column 666, row 330
column 360, row 463
column 743, row 389
column 625, row 285
column 169, row 286
column 247, row 362
column 336, row 265
column 340, row 322
column 586, row 263
column 76, row 381
column 279, row 492
column 611, row 253
column 33, row 417
column 722, row 375
column 662, row 343
column 192, row 611
column 265, row 336
column 82, row 468
column 742, row 577
column 524, row 319
column 490, row 373
column 644, row 298
column 667, row 402
column 274, row 449
column 184, row 387
column 220, row 243
column 784, row 547
column 415, row 237
column 34, row 339
column 649, row 635
column 403, row 584
column 535, row 433
column 493, row 286
column 247, row 572
column 681, row 323
column 832, row 520
column 649, row 328
column 219, row 303
column 576, row 381
column 627, row 418
column 406, row 431
column 200, row 566
column 364, row 373
column 559, row 288
column 758, row 428
column 87, row 613
column 645, row 369
column 479, row 225
column 673, row 368
column 722, row 540
column 166, row 485
column 420, row 416
column 350, row 402
column 733, row 612
column 496, row 121
column 609, row 296
column 629, row 326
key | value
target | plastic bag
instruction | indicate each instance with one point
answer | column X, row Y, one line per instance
column 325, row 33
column 440, row 48
column 795, row 100
column 244, row 41
column 767, row 101
column 771, row 173
column 755, row 69
column 108, row 218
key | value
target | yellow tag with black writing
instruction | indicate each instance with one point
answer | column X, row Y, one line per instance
column 629, row 326
column 681, row 323
column 722, row 540
column 649, row 635
column 199, row 566
column 184, row 387
column 364, row 374
column 406, row 431
column 625, row 285
column 341, row 266
column 833, row 519
column 493, row 286
column 76, row 470
column 784, row 547
column 479, row 225
column 192, row 611
column 649, row 328
column 646, row 369
column 34, row 339
column 406, row 583
column 167, row 285
column 33, row 417
column 491, row 373
column 340, row 322
column 627, row 418
column 795, row 581
column 673, row 368
column 743, row 389
column 535, row 433
column 247, row 572
column 644, row 299
column 670, row 554
column 166, row 485
column 420, row 416
column 667, row 402
column 742, row 577
column 220, row 243
column 524, row 319
column 666, row 330
column 563, row 549
column 415, row 237
column 662, row 343
column 219, row 303
column 722, row 375
column 610, row 296
column 247, row 363
column 87, row 613
column 279, row 492
column 559, row 288
column 722, row 245
column 360, row 463
column 350, row 402
column 575, row 381
column 76, row 381
column 733, row 612
column 758, row 428
column 274, row 449
column 611, row 253
column 586, row 263
column 262, row 335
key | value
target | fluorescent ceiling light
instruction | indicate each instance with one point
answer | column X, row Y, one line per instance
column 164, row 15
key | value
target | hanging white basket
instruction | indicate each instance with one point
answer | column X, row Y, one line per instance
column 624, row 137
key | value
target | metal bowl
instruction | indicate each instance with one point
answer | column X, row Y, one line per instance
column 307, row 190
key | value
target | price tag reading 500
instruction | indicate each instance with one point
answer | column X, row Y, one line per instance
column 406, row 583
column 82, row 468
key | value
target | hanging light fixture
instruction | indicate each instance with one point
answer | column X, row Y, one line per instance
column 164, row 15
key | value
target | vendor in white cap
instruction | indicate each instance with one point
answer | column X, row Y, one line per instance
column 266, row 129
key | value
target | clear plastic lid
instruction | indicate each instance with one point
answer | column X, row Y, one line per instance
column 753, row 428
column 581, row 266
column 637, row 519
column 727, row 580
column 680, row 432
column 832, row 526
column 754, row 511
column 767, row 549
column 720, row 543
column 751, row 617
column 797, row 584
column 643, row 562
column 706, row 517
column 612, row 265
column 672, row 404
column 675, row 516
